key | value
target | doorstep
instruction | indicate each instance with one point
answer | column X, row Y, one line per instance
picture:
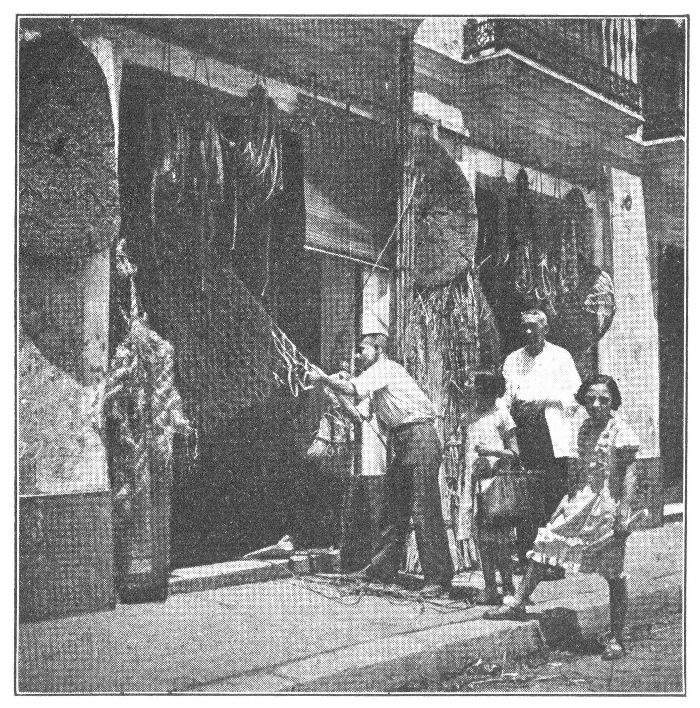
column 220, row 575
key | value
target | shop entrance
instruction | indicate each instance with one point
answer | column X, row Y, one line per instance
column 213, row 267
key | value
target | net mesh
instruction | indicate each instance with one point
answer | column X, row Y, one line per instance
column 68, row 191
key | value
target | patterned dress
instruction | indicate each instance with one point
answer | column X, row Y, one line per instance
column 578, row 536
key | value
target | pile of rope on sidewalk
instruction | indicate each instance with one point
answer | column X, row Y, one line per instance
column 349, row 590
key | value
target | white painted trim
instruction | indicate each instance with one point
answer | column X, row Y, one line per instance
column 555, row 75
column 658, row 141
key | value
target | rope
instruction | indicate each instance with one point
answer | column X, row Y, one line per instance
column 393, row 593
column 358, row 300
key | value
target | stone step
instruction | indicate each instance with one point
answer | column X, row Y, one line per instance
column 219, row 575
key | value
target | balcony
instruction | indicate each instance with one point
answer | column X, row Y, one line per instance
column 597, row 54
column 664, row 124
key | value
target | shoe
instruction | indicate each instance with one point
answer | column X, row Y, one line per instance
column 613, row 650
column 488, row 597
column 516, row 613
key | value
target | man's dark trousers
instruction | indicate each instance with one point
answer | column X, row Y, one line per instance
column 549, row 481
column 413, row 491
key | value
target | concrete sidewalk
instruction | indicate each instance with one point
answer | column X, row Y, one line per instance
column 295, row 635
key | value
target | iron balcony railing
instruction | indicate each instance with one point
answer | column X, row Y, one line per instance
column 578, row 49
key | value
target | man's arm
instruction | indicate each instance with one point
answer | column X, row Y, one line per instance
column 345, row 387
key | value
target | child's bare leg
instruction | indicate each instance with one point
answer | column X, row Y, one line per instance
column 488, row 550
column 533, row 575
column 505, row 562
column 618, row 614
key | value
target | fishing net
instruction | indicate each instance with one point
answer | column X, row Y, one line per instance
column 210, row 175
column 143, row 410
column 451, row 330
column 68, row 191
column 445, row 216
column 452, row 334
column 536, row 250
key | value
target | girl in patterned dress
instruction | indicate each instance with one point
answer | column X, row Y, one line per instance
column 588, row 531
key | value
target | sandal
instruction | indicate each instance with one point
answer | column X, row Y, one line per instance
column 613, row 650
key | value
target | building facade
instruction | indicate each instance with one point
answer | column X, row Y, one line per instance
column 251, row 170
column 582, row 121
column 317, row 174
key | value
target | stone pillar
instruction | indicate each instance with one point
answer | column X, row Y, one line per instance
column 68, row 220
column 630, row 350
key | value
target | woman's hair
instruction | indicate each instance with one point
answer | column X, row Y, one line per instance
column 609, row 381
column 490, row 384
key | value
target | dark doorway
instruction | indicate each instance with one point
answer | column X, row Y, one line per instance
column 211, row 297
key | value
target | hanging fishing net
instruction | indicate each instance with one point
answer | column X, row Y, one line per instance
column 68, row 191
column 451, row 330
column 445, row 216
column 536, row 251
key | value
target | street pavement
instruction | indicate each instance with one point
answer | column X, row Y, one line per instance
column 297, row 634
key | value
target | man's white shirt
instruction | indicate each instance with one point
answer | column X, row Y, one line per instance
column 396, row 398
column 551, row 375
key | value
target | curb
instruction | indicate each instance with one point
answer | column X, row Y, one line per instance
column 383, row 666
column 560, row 623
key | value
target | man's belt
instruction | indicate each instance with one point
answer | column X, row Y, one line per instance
column 406, row 426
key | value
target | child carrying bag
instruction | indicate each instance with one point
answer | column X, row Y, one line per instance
column 507, row 498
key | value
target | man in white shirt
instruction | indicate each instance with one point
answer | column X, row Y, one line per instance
column 541, row 381
column 412, row 484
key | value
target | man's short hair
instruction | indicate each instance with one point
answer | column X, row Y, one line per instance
column 534, row 314
column 376, row 339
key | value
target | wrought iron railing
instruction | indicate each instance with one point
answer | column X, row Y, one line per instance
column 578, row 54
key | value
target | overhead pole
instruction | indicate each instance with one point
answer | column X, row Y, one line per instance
column 405, row 251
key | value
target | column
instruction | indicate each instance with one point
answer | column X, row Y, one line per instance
column 630, row 350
